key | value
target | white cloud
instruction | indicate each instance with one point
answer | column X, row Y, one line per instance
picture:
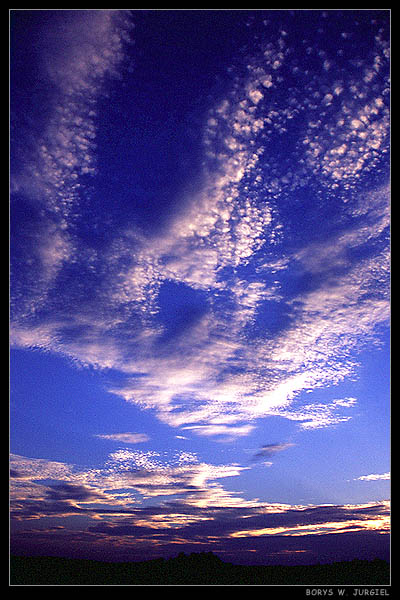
column 316, row 415
column 39, row 468
column 76, row 52
column 226, row 368
column 126, row 438
column 230, row 432
column 373, row 477
column 213, row 376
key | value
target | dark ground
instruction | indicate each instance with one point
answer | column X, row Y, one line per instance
column 194, row 569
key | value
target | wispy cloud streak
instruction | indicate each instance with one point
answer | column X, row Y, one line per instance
column 373, row 477
column 269, row 450
column 126, row 438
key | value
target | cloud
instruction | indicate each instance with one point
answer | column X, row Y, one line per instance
column 230, row 432
column 322, row 520
column 189, row 509
column 268, row 313
column 279, row 250
column 39, row 468
column 69, row 491
column 152, row 475
column 193, row 505
column 271, row 449
column 127, row 438
column 128, row 477
column 75, row 53
column 319, row 415
column 373, row 477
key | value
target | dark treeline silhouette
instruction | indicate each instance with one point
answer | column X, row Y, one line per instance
column 191, row 569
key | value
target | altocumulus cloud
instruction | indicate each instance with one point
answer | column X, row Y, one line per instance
column 227, row 310
column 228, row 242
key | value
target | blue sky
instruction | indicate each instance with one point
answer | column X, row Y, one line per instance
column 200, row 257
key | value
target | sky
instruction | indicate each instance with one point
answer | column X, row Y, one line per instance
column 199, row 284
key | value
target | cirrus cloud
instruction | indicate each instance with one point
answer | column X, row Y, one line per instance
column 126, row 438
